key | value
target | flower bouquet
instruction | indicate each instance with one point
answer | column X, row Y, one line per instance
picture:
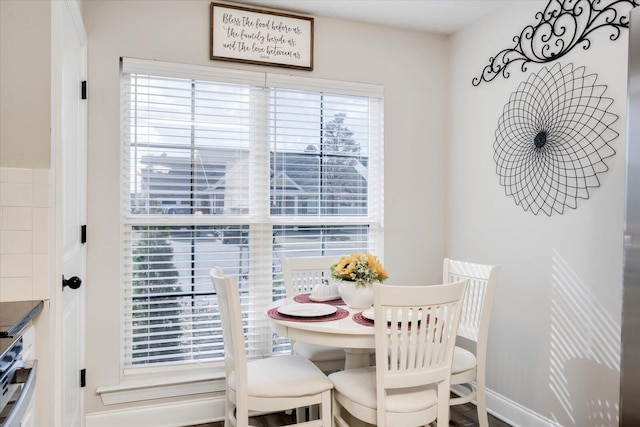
column 363, row 269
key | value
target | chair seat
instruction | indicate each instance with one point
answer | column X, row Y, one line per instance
column 282, row 376
column 318, row 353
column 359, row 386
column 463, row 360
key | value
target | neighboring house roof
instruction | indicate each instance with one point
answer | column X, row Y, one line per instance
column 293, row 172
column 282, row 180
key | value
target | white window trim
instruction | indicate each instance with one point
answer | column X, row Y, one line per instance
column 163, row 382
column 140, row 384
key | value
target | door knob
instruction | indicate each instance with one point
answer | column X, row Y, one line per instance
column 72, row 282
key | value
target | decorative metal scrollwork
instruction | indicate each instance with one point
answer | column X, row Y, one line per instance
column 563, row 25
column 553, row 138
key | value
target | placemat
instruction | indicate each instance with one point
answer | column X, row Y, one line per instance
column 340, row 313
column 359, row 318
column 306, row 298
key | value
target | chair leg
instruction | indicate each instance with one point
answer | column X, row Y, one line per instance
column 227, row 414
column 443, row 404
column 481, row 404
column 481, row 395
column 242, row 417
column 336, row 409
column 325, row 409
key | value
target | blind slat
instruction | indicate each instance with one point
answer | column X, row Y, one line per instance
column 219, row 170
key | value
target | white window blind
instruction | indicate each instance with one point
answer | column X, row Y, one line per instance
column 235, row 173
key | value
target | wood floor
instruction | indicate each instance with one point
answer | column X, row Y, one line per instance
column 461, row 416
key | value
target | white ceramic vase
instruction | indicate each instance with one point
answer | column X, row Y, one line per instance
column 356, row 297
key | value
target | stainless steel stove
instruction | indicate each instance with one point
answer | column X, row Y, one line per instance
column 17, row 384
column 17, row 372
column 15, row 315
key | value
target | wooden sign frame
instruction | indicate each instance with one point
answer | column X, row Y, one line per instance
column 259, row 36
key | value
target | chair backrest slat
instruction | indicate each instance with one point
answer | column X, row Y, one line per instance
column 301, row 274
column 414, row 346
column 478, row 300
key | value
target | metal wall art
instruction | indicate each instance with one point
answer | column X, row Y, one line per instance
column 553, row 138
column 563, row 25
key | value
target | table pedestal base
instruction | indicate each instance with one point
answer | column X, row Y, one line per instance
column 356, row 358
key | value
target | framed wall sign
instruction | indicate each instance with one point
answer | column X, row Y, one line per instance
column 258, row 36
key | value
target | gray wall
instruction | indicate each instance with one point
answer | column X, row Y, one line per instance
column 25, row 83
column 555, row 332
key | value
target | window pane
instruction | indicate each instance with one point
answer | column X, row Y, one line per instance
column 224, row 174
column 172, row 297
column 319, row 165
column 321, row 240
column 300, row 241
column 188, row 157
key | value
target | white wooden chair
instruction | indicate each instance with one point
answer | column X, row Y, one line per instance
column 470, row 354
column 409, row 386
column 271, row 384
column 300, row 276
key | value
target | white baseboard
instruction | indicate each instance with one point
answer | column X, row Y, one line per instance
column 205, row 410
column 514, row 413
column 177, row 414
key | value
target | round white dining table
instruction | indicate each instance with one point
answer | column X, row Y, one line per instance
column 356, row 339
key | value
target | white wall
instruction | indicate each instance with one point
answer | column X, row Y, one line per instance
column 554, row 341
column 412, row 67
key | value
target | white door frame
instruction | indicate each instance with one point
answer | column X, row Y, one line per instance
column 60, row 8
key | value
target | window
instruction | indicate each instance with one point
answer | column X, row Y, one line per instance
column 235, row 169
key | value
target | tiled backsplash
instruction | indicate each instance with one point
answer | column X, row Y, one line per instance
column 25, row 233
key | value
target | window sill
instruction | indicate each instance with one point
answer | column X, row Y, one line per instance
column 153, row 384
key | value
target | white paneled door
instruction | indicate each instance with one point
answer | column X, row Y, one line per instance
column 70, row 169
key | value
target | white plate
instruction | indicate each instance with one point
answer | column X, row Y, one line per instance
column 323, row 298
column 307, row 310
column 368, row 314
